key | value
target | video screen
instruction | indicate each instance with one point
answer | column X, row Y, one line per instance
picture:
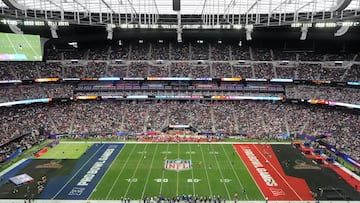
column 20, row 47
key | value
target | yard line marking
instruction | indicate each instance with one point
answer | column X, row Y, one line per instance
column 177, row 173
column 278, row 173
column 107, row 172
column 237, row 177
column 118, row 176
column 137, row 167
column 192, row 172
column 147, row 178
column 77, row 172
column 206, row 172
column 221, row 173
column 163, row 173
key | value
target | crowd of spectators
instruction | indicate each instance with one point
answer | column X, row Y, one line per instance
column 180, row 52
column 160, row 51
column 338, row 94
column 196, row 50
column 21, row 120
column 50, row 70
column 200, row 51
column 353, row 74
column 96, row 69
column 158, row 70
column 264, row 70
column 284, row 55
column 222, row 70
column 76, row 54
column 250, row 119
column 24, row 92
column 268, row 70
column 243, row 71
column 220, row 52
column 263, row 120
column 240, row 52
column 25, row 142
column 99, row 53
column 261, row 54
column 140, row 51
column 308, row 71
column 120, row 52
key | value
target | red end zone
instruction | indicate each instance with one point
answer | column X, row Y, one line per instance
column 269, row 176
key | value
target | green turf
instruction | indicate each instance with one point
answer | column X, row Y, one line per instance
column 30, row 45
column 221, row 173
column 66, row 151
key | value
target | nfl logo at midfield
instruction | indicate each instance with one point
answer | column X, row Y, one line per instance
column 178, row 165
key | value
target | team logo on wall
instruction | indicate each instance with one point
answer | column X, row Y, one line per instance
column 178, row 165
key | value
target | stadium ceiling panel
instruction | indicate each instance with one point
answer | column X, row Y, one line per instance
column 187, row 6
column 205, row 14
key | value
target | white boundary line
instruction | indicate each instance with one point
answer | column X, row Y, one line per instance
column 207, row 175
column 137, row 167
column 147, row 178
column 221, row 173
column 278, row 173
column 237, row 177
column 77, row 172
column 163, row 173
column 192, row 171
column 177, row 173
column 118, row 176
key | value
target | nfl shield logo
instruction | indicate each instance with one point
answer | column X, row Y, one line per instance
column 178, row 165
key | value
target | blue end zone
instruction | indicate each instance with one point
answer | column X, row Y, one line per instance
column 85, row 176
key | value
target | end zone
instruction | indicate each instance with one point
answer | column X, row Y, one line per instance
column 269, row 176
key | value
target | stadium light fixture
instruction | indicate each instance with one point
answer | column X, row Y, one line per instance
column 73, row 44
column 109, row 29
column 53, row 29
column 341, row 31
column 249, row 29
column 15, row 29
column 179, row 35
column 304, row 31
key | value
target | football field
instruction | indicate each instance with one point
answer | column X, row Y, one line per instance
column 20, row 47
column 172, row 169
column 227, row 171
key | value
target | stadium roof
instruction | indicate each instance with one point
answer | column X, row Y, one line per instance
column 187, row 6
